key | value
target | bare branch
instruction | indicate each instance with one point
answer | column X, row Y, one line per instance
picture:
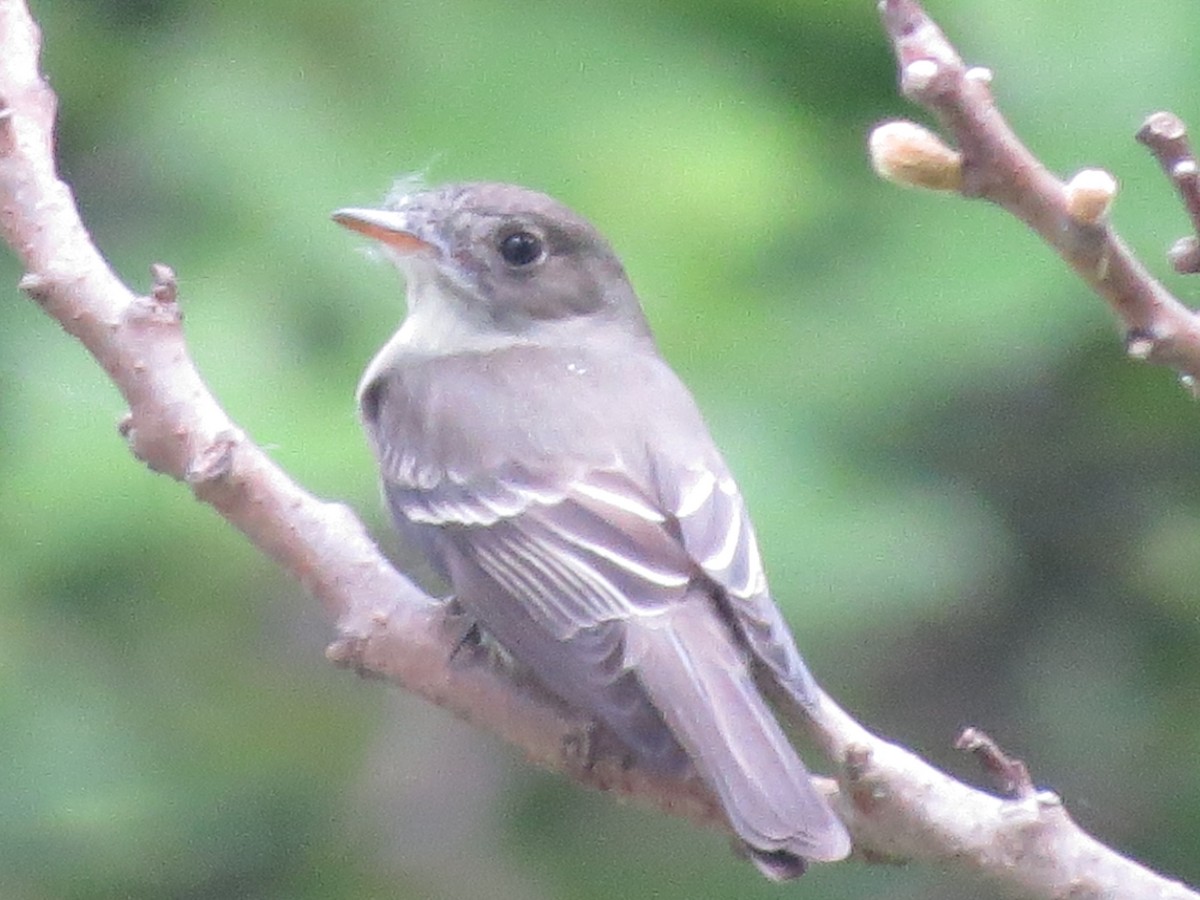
column 896, row 805
column 899, row 808
column 1071, row 217
column 1166, row 136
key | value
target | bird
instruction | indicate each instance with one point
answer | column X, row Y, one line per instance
column 535, row 445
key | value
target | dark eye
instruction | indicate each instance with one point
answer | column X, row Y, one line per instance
column 521, row 248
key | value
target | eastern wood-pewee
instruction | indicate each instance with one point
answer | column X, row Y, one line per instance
column 556, row 471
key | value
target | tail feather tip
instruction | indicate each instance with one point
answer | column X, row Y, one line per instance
column 785, row 865
column 778, row 865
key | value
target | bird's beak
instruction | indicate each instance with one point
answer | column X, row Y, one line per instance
column 384, row 225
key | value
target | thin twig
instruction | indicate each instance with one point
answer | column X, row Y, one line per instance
column 1071, row 217
column 1011, row 774
column 1166, row 136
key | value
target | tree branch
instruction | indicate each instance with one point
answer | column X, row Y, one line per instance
column 991, row 163
column 1166, row 136
column 896, row 805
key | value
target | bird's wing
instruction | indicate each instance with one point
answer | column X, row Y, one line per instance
column 577, row 549
column 716, row 531
column 622, row 547
column 559, row 569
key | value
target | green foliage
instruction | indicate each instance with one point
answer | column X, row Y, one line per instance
column 972, row 507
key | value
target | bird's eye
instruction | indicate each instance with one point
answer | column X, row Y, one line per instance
column 521, row 248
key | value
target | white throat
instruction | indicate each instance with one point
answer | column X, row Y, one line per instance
column 437, row 324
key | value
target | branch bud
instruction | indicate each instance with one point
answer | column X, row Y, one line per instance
column 1090, row 195
column 909, row 155
column 981, row 74
column 918, row 75
column 1184, row 255
column 1140, row 343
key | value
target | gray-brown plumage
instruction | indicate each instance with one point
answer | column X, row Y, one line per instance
column 533, row 442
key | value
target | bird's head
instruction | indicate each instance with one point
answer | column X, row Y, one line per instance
column 488, row 261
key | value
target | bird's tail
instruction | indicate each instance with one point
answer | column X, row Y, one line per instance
column 698, row 679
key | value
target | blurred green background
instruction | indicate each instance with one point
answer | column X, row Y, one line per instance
column 974, row 510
